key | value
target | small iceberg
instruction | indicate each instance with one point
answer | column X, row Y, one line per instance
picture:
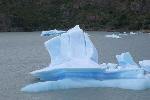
column 74, row 64
column 52, row 32
column 113, row 36
column 133, row 33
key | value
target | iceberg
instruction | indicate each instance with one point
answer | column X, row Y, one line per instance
column 145, row 64
column 74, row 64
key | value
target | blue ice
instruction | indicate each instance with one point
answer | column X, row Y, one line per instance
column 134, row 84
column 88, row 73
column 125, row 59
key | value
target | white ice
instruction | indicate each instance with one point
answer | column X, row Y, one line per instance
column 113, row 36
column 145, row 64
column 73, row 44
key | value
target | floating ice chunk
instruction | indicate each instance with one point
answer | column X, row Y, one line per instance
column 132, row 33
column 145, row 64
column 126, row 60
column 124, row 34
column 134, row 84
column 113, row 36
column 52, row 32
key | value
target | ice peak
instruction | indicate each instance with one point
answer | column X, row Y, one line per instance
column 75, row 29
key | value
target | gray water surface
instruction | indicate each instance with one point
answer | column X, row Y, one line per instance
column 23, row 52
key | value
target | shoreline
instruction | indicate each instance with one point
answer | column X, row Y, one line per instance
column 121, row 31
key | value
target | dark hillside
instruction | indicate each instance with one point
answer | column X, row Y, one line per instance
column 36, row 15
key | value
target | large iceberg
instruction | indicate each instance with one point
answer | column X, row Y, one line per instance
column 74, row 64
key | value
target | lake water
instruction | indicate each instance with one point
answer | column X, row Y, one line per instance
column 23, row 52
